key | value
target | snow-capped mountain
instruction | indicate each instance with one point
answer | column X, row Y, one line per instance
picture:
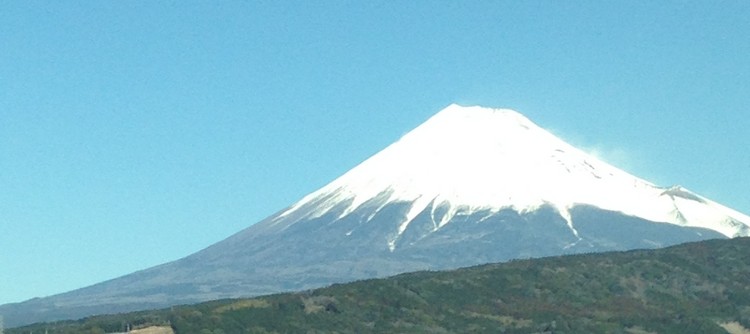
column 467, row 160
column 469, row 186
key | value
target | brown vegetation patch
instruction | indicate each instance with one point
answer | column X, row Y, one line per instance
column 153, row 330
column 734, row 328
column 316, row 304
column 243, row 304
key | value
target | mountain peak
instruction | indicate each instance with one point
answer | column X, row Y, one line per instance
column 455, row 155
column 469, row 159
column 473, row 125
column 475, row 113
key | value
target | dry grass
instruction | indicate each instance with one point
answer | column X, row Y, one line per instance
column 734, row 328
column 153, row 330
column 242, row 304
column 638, row 330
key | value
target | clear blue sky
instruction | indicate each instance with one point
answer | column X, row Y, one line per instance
column 136, row 132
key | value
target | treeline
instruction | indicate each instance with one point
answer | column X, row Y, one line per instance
column 691, row 288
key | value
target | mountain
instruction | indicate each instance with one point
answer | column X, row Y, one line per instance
column 469, row 186
column 696, row 287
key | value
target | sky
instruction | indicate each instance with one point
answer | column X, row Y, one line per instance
column 133, row 133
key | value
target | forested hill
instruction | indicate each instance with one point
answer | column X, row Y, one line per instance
column 701, row 287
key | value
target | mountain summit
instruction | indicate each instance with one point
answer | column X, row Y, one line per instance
column 465, row 160
column 471, row 185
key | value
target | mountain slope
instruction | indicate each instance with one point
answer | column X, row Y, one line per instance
column 469, row 186
column 692, row 288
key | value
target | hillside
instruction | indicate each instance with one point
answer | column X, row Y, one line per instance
column 701, row 287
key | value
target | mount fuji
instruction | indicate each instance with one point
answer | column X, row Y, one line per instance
column 469, row 186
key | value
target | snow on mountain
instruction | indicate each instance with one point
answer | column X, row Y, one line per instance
column 474, row 159
column 469, row 186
